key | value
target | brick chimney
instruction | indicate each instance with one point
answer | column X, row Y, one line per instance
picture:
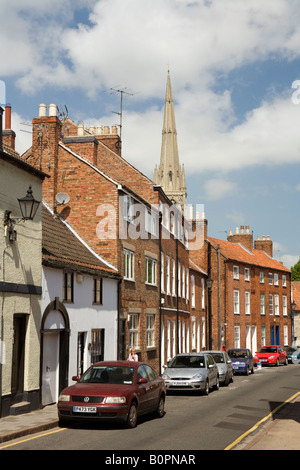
column 264, row 244
column 46, row 134
column 243, row 236
column 9, row 136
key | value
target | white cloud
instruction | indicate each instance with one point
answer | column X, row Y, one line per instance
column 218, row 188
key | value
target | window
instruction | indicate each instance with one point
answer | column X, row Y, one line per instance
column 247, row 303
column 129, row 265
column 263, row 335
column 284, row 305
column 168, row 275
column 235, row 272
column 97, row 291
column 270, row 278
column 173, row 277
column 276, row 299
column 285, row 335
column 271, row 309
column 162, row 273
column 68, row 287
column 183, row 281
column 187, row 285
column 128, row 208
column 262, row 277
column 193, row 291
column 203, row 293
column 247, row 274
column 133, row 330
column 236, row 302
column 236, row 336
column 275, row 279
column 150, row 330
column 283, row 280
column 262, row 304
column 179, row 279
column 150, row 271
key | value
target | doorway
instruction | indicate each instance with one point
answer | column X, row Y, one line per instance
column 274, row 336
column 17, row 376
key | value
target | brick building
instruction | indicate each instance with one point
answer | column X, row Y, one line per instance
column 250, row 301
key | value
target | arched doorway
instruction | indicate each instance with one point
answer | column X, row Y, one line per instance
column 55, row 351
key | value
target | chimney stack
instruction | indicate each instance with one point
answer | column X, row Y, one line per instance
column 264, row 244
column 243, row 236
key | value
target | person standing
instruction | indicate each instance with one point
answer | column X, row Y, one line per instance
column 133, row 356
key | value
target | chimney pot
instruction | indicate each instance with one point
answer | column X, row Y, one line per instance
column 42, row 110
column 7, row 116
column 52, row 109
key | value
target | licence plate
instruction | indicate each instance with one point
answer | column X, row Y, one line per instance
column 180, row 383
column 84, row 409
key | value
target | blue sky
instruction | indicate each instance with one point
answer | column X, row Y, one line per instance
column 232, row 66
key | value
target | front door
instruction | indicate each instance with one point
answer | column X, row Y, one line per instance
column 50, row 371
column 17, row 376
column 274, row 334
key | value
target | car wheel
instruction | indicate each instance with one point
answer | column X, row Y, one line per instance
column 247, row 371
column 252, row 370
column 277, row 363
column 132, row 416
column 161, row 407
column 206, row 389
column 286, row 362
column 217, row 386
column 227, row 380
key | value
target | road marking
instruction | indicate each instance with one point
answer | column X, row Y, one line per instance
column 239, row 439
column 31, row 438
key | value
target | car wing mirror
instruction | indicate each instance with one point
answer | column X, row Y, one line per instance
column 75, row 378
column 142, row 380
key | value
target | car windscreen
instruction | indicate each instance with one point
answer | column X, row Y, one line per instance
column 268, row 350
column 187, row 362
column 237, row 353
column 218, row 357
column 108, row 374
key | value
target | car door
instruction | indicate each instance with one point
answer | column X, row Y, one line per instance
column 282, row 356
column 250, row 359
column 144, row 389
column 211, row 370
column 154, row 384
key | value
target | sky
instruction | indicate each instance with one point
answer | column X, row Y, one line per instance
column 235, row 75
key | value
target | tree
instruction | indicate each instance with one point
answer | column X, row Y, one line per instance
column 296, row 271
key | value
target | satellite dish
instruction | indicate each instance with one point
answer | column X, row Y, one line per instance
column 62, row 198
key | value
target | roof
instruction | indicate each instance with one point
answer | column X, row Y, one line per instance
column 296, row 293
column 237, row 252
column 63, row 248
column 15, row 159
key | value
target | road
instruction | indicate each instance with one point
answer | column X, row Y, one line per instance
column 191, row 422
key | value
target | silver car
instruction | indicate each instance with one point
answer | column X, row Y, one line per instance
column 188, row 372
column 224, row 364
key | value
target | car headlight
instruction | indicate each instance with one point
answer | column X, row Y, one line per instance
column 197, row 377
column 63, row 397
column 112, row 400
column 166, row 377
column 271, row 357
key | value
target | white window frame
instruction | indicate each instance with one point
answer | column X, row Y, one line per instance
column 262, row 277
column 237, row 336
column 276, row 304
column 262, row 303
column 150, row 271
column 276, row 279
column 173, row 277
column 128, row 265
column 236, row 302
column 247, row 302
column 283, row 280
column 284, row 305
column 247, row 274
column 236, row 272
column 193, row 300
column 150, row 330
column 271, row 304
column 134, row 330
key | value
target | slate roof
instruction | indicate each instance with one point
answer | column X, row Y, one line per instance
column 237, row 252
column 63, row 248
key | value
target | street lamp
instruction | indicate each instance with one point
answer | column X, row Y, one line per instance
column 28, row 207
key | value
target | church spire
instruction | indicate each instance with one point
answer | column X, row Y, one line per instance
column 170, row 175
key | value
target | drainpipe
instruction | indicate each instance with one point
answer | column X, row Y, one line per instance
column 159, row 300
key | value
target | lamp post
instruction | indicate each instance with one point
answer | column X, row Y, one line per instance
column 293, row 306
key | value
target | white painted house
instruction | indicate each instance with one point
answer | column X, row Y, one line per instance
column 79, row 321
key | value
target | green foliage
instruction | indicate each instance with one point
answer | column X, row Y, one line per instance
column 296, row 271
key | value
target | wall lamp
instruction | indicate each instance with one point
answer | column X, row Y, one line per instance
column 28, row 207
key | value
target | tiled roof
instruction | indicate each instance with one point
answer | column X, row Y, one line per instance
column 296, row 294
column 62, row 248
column 237, row 252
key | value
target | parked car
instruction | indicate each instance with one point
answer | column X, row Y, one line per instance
column 114, row 390
column 296, row 356
column 290, row 350
column 242, row 360
column 192, row 372
column 271, row 354
column 224, row 365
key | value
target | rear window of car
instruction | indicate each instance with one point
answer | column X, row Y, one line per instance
column 268, row 350
column 238, row 353
column 218, row 357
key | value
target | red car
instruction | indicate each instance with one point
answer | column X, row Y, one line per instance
column 271, row 355
column 114, row 390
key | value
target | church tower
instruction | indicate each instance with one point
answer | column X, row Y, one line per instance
column 170, row 175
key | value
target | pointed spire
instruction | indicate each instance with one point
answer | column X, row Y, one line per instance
column 170, row 175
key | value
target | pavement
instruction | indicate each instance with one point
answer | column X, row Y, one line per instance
column 280, row 430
